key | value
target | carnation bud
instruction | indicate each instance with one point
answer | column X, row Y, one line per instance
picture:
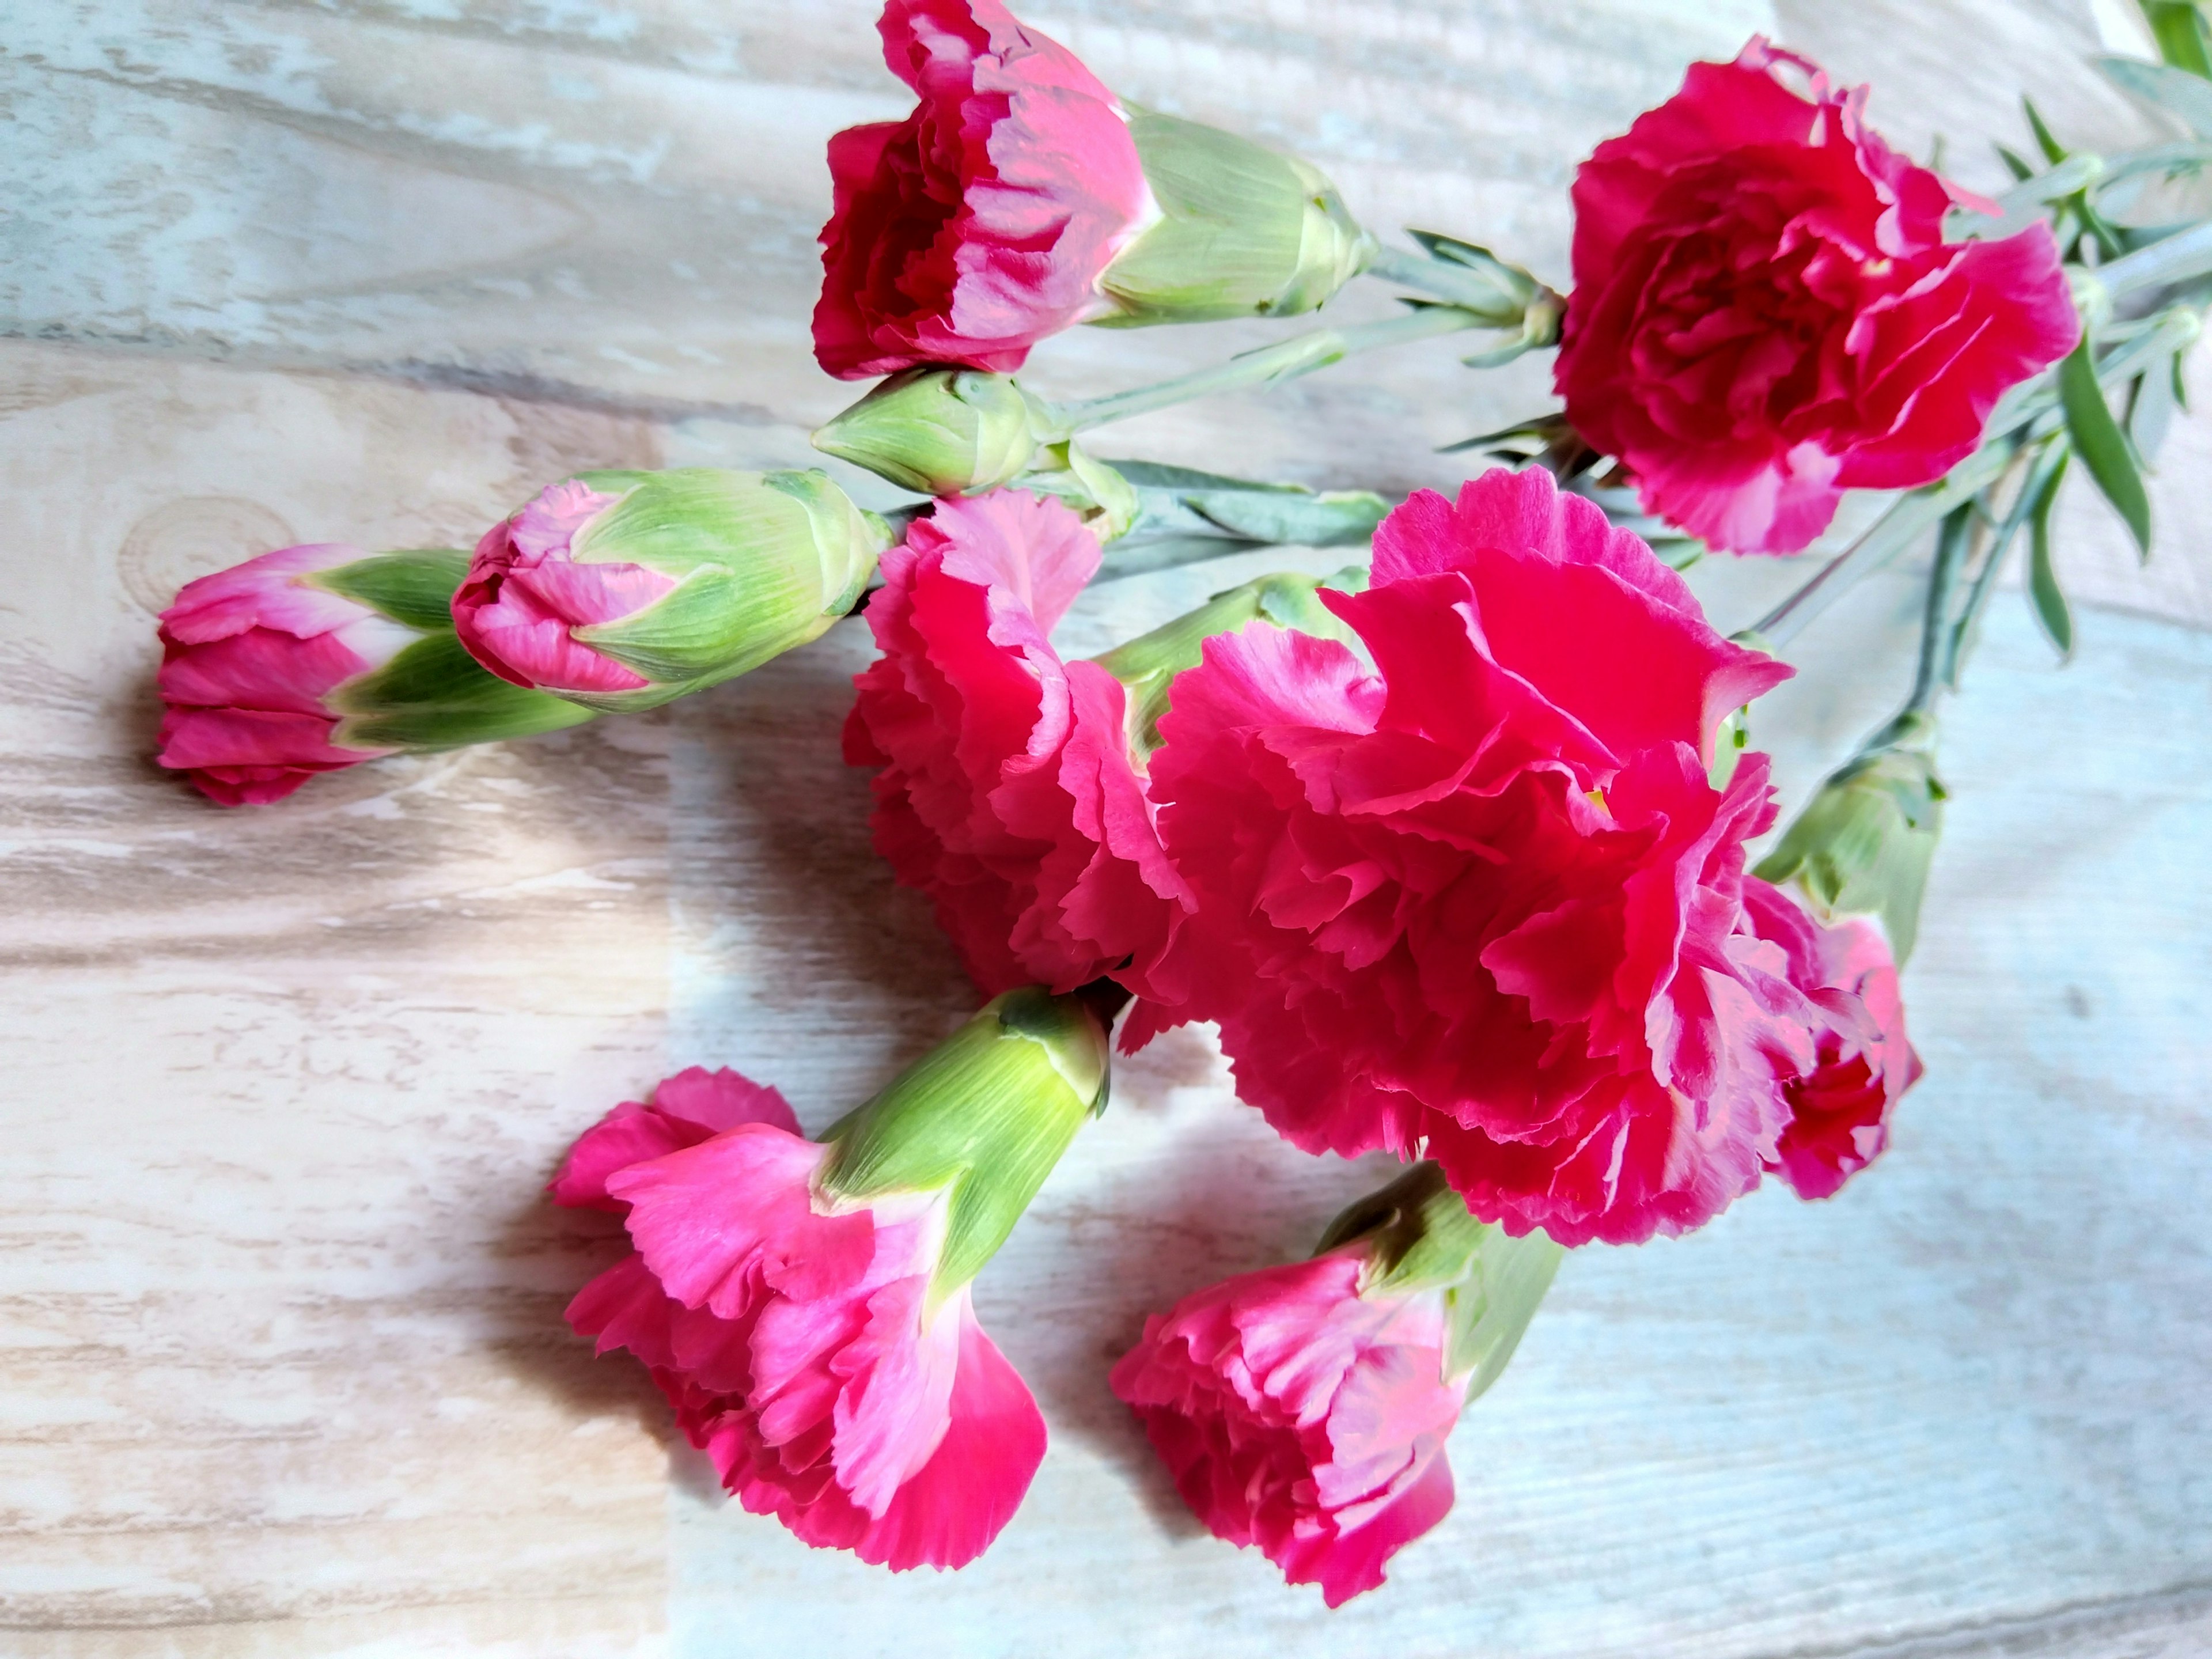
column 1148, row 665
column 986, row 1114
column 623, row 590
column 312, row 659
column 940, row 431
column 1420, row 1236
column 1243, row 232
column 1863, row 845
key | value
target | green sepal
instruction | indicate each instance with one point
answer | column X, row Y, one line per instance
column 1147, row 665
column 1243, row 231
column 432, row 695
column 983, row 1116
column 1865, row 843
column 1421, row 1236
column 763, row 561
column 1098, row 492
column 413, row 587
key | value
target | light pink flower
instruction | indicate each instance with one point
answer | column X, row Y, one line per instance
column 981, row 223
column 250, row 657
column 1302, row 1417
column 795, row 1334
column 1766, row 313
column 1482, row 900
column 524, row 595
column 1006, row 791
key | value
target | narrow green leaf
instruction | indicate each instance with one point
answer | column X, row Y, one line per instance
column 2053, row 151
column 2178, row 29
column 2051, row 607
column 2015, row 164
column 2102, row 446
column 2150, row 411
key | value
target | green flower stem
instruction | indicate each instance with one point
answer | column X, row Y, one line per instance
column 2179, row 257
column 1286, row 360
column 1951, row 548
column 2027, row 414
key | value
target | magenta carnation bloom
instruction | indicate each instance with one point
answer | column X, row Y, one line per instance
column 794, row 1335
column 1483, row 899
column 1006, row 791
column 250, row 657
column 695, row 1105
column 1863, row 1061
column 524, row 595
column 1766, row 313
column 982, row 223
column 1298, row 1415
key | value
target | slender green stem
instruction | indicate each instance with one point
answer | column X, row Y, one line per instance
column 1284, row 360
column 1881, row 542
column 2185, row 254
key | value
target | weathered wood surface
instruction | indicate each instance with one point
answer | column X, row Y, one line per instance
column 284, row 1373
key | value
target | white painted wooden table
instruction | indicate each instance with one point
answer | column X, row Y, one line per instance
column 283, row 1369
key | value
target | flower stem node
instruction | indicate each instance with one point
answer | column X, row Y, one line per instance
column 623, row 590
column 1863, row 845
column 1241, row 232
column 984, row 1115
column 941, row 431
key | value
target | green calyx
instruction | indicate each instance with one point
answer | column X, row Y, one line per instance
column 1420, row 1236
column 983, row 1116
column 432, row 694
column 763, row 561
column 1097, row 493
column 1147, row 665
column 941, row 431
column 1865, row 843
column 1243, row 231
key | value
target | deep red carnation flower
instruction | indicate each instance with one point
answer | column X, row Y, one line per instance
column 1766, row 313
column 981, row 223
column 1006, row 791
column 1483, row 900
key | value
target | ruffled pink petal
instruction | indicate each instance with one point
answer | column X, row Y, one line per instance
column 263, row 593
column 712, row 1219
column 982, row 223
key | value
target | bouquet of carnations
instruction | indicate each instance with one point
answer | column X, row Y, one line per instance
column 1450, row 847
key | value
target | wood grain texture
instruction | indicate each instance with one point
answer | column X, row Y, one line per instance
column 284, row 1373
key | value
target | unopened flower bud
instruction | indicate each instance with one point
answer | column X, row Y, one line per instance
column 1243, row 231
column 940, row 431
column 626, row 590
column 984, row 1115
column 315, row 658
column 1147, row 665
column 1863, row 845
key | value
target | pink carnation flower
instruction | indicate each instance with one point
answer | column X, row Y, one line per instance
column 1863, row 1060
column 524, row 595
column 981, row 223
column 249, row 659
column 795, row 1334
column 1766, row 313
column 1300, row 1416
column 1006, row 791
column 1482, row 900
